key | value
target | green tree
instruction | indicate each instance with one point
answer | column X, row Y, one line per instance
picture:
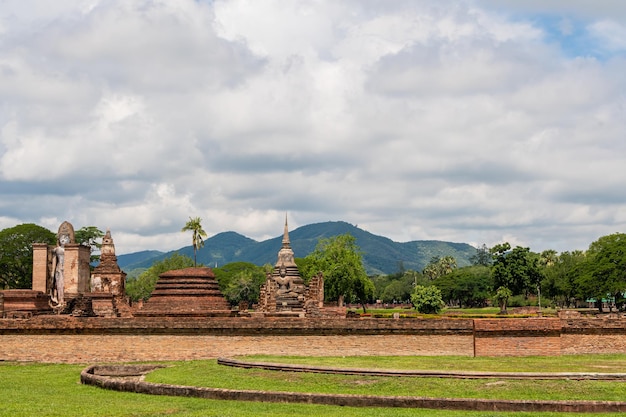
column 141, row 288
column 439, row 266
column 561, row 274
column 604, row 274
column 340, row 260
column 399, row 286
column 431, row 271
column 427, row 300
column 194, row 225
column 306, row 268
column 16, row 254
column 468, row 286
column 447, row 264
column 516, row 269
column 548, row 257
column 501, row 297
column 240, row 281
column 89, row 236
column 482, row 257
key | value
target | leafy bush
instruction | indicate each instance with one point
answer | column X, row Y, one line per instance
column 427, row 300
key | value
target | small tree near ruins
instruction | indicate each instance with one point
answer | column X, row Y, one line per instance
column 340, row 260
column 194, row 225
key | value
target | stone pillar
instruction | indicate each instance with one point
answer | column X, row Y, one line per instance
column 76, row 269
column 40, row 267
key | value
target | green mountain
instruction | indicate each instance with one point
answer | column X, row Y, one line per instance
column 380, row 254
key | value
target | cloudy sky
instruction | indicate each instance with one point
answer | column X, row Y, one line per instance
column 478, row 121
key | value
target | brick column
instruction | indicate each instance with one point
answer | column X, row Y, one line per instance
column 40, row 267
column 76, row 269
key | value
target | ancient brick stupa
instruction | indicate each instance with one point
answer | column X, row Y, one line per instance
column 107, row 276
column 284, row 291
column 189, row 292
column 107, row 283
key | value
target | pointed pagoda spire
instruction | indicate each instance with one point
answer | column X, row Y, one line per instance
column 286, row 242
column 285, row 254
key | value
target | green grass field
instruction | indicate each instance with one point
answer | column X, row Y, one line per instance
column 54, row 390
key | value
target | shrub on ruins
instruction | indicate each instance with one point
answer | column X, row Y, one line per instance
column 427, row 300
column 90, row 236
column 16, row 253
column 141, row 287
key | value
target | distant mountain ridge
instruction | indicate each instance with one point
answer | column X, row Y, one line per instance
column 381, row 255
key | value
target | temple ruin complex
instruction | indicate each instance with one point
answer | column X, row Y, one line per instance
column 63, row 283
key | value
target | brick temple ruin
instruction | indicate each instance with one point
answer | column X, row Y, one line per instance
column 64, row 284
column 284, row 292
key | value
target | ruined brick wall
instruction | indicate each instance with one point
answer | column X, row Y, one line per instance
column 593, row 336
column 83, row 340
column 509, row 337
column 127, row 348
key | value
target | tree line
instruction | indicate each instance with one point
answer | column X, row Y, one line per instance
column 568, row 279
column 502, row 272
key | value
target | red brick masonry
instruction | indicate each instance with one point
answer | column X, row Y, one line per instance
column 98, row 340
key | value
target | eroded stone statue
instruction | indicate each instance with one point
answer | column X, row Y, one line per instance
column 287, row 287
column 58, row 277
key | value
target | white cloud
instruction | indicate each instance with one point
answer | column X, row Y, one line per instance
column 611, row 34
column 415, row 120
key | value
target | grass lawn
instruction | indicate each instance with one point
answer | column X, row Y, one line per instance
column 54, row 390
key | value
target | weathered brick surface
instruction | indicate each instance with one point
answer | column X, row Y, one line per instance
column 77, row 339
column 518, row 325
column 515, row 337
column 235, row 326
column 518, row 346
column 592, row 343
column 124, row 348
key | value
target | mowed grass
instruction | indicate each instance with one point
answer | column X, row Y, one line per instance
column 210, row 374
column 54, row 390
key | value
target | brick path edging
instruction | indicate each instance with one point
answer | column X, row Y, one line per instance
column 107, row 377
column 269, row 366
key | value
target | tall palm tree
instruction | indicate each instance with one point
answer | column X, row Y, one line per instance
column 447, row 264
column 194, row 225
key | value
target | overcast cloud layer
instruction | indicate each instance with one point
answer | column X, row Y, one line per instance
column 466, row 121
